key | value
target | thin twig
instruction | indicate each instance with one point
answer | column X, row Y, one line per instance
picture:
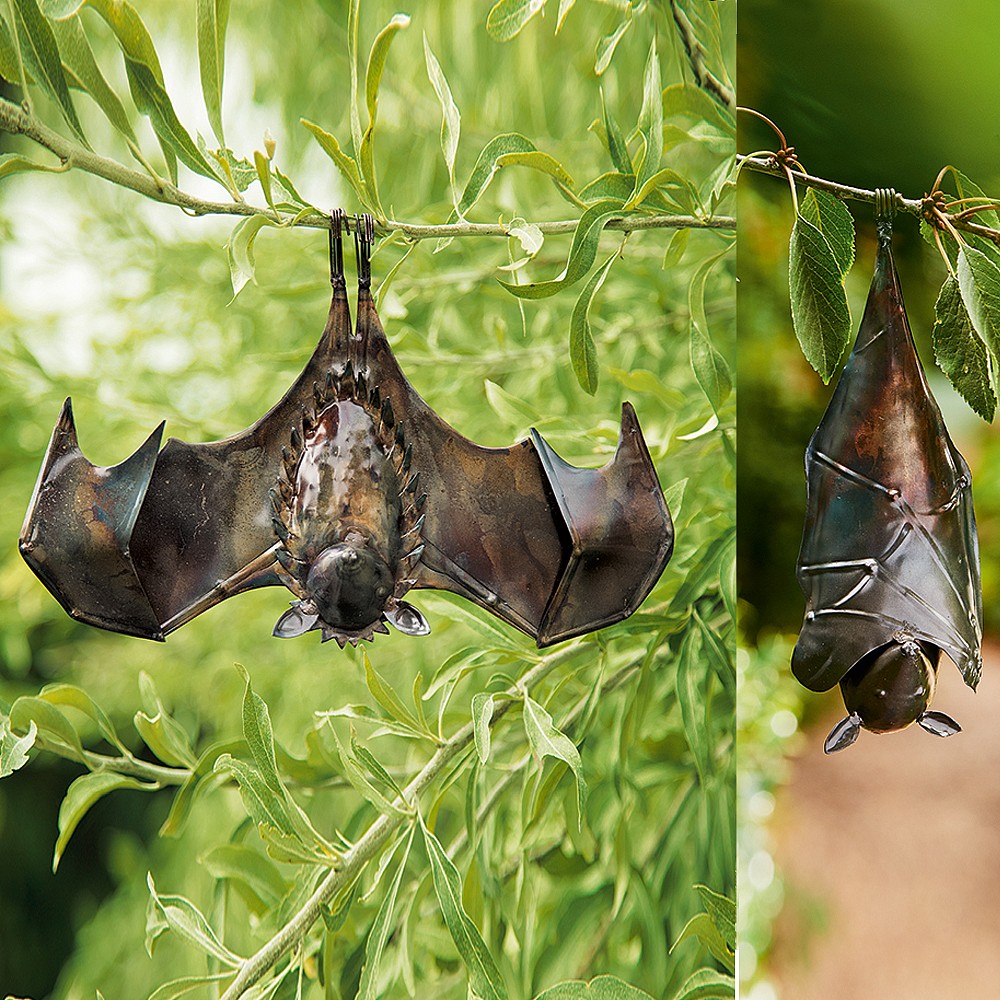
column 704, row 77
column 353, row 861
column 17, row 121
column 914, row 206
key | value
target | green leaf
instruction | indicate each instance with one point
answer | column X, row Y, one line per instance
column 500, row 150
column 373, row 78
column 73, row 697
column 345, row 164
column 186, row 984
column 688, row 100
column 722, row 910
column 600, row 988
column 262, row 168
column 582, row 352
column 51, row 723
column 547, row 741
column 691, row 699
column 701, row 927
column 78, row 57
column 387, row 697
column 40, row 56
column 14, row 749
column 718, row 655
column 485, row 979
column 650, row 127
column 536, row 160
column 617, row 148
column 675, row 248
column 707, row 984
column 240, row 253
column 382, row 926
column 163, row 734
column 265, row 806
column 581, row 255
column 145, row 78
column 212, row 20
column 187, row 922
column 360, row 781
column 508, row 17
column 565, row 6
column 832, row 218
column 968, row 189
column 959, row 351
column 607, row 45
column 482, row 715
column 979, row 283
column 710, row 368
column 258, row 733
column 451, row 120
column 820, row 312
column 261, row 883
column 81, row 795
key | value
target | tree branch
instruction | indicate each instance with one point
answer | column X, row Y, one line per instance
column 766, row 164
column 17, row 121
column 705, row 78
column 353, row 861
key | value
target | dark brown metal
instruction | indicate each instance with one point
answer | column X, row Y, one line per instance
column 554, row 550
column 889, row 561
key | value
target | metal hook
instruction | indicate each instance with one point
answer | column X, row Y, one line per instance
column 885, row 211
column 337, row 219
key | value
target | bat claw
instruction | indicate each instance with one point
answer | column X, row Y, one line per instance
column 843, row 734
column 407, row 619
column 294, row 622
column 939, row 724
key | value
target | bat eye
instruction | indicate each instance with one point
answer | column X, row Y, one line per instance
column 891, row 686
column 348, row 583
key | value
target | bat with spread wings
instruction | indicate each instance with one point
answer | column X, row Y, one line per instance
column 350, row 492
column 889, row 561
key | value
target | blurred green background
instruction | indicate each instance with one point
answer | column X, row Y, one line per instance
column 125, row 304
column 873, row 93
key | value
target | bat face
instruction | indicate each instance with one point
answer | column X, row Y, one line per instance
column 889, row 561
column 350, row 492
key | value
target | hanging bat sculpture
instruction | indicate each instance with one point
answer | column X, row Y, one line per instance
column 349, row 492
column 889, row 561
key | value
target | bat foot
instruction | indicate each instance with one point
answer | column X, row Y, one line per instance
column 407, row 619
column 297, row 620
column 939, row 724
column 843, row 734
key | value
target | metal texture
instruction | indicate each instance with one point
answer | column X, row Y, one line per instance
column 889, row 552
column 350, row 459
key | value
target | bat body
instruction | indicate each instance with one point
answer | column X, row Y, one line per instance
column 889, row 561
column 350, row 492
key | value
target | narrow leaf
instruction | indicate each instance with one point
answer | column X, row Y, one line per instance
column 212, row 20
column 617, row 148
column 960, row 352
column 650, row 127
column 240, row 253
column 600, row 988
column 485, row 979
column 565, row 6
column 386, row 696
column 186, row 984
column 451, row 120
column 265, row 806
column 50, row 721
column 382, row 926
column 360, row 781
column 482, row 715
column 262, row 167
column 582, row 352
column 81, row 795
column 68, row 695
column 163, row 734
column 607, row 45
column 547, row 741
column 251, row 870
column 710, row 368
column 675, row 248
column 14, row 749
column 508, row 17
column 496, row 152
column 346, row 164
column 581, row 255
column 188, row 922
column 820, row 313
column 40, row 55
column 690, row 697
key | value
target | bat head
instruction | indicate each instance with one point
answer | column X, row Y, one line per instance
column 348, row 584
column 888, row 689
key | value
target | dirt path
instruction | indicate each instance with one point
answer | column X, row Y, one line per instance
column 891, row 857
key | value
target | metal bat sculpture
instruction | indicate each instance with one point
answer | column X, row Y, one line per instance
column 349, row 492
column 889, row 561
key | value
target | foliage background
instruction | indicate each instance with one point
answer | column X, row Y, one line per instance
column 126, row 304
column 853, row 89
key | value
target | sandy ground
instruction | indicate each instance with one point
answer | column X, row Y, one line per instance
column 890, row 852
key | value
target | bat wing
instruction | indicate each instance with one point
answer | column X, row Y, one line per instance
column 554, row 550
column 890, row 537
column 145, row 546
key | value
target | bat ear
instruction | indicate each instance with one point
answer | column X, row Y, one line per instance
column 407, row 619
column 843, row 734
column 294, row 622
column 939, row 724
